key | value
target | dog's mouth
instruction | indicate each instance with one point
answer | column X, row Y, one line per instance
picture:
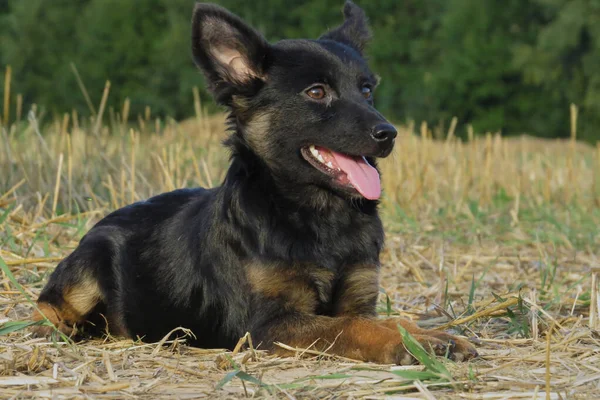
column 353, row 172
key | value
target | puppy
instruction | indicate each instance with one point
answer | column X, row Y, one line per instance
column 287, row 248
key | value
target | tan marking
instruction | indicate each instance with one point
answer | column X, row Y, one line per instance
column 78, row 301
column 48, row 311
column 82, row 297
column 323, row 280
column 298, row 288
column 256, row 134
column 241, row 103
column 55, row 316
column 360, row 287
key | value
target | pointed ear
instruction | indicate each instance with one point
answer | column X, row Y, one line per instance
column 225, row 48
column 355, row 31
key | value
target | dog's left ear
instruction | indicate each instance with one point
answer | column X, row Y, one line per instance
column 225, row 48
column 355, row 31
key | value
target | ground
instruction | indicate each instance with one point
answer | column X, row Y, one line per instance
column 495, row 239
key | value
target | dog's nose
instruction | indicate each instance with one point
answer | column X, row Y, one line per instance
column 384, row 133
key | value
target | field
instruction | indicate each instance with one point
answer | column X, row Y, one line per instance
column 495, row 239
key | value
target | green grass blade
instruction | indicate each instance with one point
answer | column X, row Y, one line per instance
column 422, row 356
column 241, row 375
column 14, row 326
column 335, row 375
column 6, row 213
column 227, row 378
column 471, row 295
column 249, row 378
column 416, row 375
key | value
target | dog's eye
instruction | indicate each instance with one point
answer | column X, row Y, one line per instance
column 316, row 92
column 367, row 92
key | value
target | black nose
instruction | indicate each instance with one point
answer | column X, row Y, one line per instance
column 384, row 133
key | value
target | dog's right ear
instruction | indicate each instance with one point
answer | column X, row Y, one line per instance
column 355, row 31
column 225, row 48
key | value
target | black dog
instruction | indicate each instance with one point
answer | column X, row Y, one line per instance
column 288, row 247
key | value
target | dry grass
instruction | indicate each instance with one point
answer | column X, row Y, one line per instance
column 494, row 238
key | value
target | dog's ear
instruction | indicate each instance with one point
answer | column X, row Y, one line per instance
column 355, row 31
column 225, row 48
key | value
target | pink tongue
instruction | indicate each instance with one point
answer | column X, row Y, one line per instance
column 363, row 176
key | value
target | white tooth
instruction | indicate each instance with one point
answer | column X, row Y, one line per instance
column 320, row 158
column 330, row 165
column 314, row 151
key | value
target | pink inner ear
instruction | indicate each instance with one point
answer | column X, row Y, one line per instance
column 234, row 62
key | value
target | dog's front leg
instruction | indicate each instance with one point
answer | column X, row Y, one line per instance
column 358, row 297
column 286, row 304
column 353, row 337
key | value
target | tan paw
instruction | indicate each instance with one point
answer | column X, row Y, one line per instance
column 462, row 350
column 436, row 342
column 47, row 331
column 395, row 352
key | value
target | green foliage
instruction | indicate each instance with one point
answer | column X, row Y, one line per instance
column 513, row 66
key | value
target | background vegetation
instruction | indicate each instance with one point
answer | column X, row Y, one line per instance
column 513, row 66
column 493, row 237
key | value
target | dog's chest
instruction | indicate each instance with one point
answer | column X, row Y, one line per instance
column 310, row 288
column 305, row 287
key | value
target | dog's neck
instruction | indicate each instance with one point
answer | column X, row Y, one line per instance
column 302, row 218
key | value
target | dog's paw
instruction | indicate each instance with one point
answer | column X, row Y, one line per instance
column 44, row 331
column 446, row 345
column 41, row 331
column 461, row 349
column 436, row 342
column 397, row 353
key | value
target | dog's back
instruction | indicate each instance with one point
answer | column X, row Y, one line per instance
column 288, row 247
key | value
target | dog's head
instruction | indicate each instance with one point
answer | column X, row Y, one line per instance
column 305, row 107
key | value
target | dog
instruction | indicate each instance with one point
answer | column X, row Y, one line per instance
column 287, row 248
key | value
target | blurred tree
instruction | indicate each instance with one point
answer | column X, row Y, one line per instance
column 513, row 66
column 119, row 41
column 37, row 41
column 476, row 78
column 564, row 63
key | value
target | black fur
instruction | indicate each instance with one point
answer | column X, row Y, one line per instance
column 179, row 259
